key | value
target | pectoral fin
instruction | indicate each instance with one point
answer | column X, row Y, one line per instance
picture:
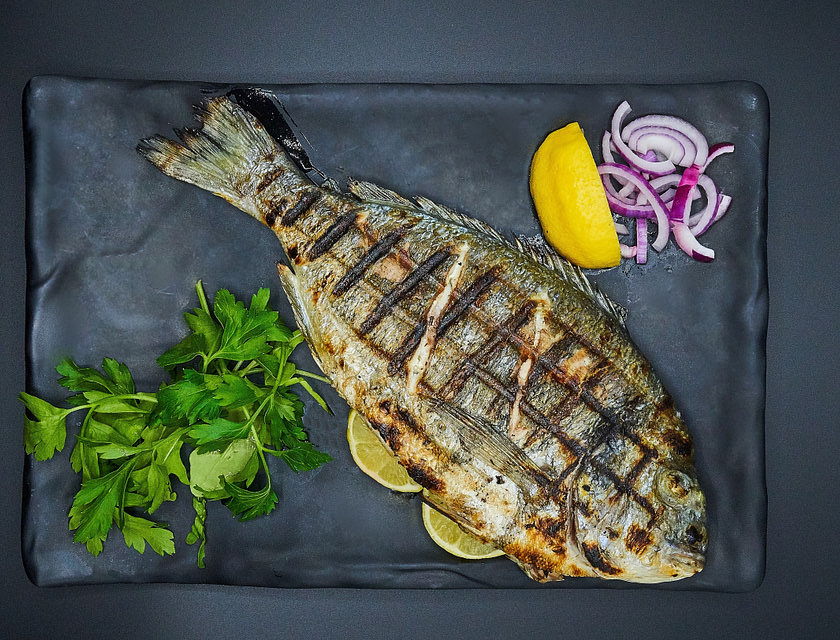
column 493, row 447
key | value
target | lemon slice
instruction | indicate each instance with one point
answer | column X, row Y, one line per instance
column 454, row 539
column 374, row 457
column 570, row 200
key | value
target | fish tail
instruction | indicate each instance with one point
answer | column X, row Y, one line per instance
column 230, row 155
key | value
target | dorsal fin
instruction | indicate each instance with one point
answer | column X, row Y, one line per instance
column 462, row 219
column 537, row 248
column 370, row 192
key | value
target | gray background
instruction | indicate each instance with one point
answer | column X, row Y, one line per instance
column 790, row 49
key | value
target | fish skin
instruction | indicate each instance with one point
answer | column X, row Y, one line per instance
column 506, row 388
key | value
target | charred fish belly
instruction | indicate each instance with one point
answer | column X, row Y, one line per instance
column 505, row 384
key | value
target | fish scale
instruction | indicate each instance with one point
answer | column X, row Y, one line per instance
column 500, row 378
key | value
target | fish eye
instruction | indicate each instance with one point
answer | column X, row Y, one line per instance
column 674, row 486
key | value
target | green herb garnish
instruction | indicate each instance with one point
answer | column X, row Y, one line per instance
column 228, row 405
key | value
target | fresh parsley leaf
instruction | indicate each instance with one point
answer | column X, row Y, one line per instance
column 247, row 504
column 218, row 431
column 237, row 462
column 46, row 431
column 138, row 531
column 188, row 399
column 300, row 455
column 95, row 505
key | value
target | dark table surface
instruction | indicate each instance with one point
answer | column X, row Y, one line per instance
column 789, row 49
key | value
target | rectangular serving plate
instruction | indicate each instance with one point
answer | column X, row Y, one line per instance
column 115, row 249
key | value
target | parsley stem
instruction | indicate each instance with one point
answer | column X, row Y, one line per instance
column 314, row 376
column 146, row 397
column 202, row 297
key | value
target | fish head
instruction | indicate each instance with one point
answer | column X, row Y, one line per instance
column 652, row 529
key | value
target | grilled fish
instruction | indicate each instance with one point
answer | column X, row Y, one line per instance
column 501, row 379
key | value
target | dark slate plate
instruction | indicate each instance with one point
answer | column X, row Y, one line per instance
column 115, row 248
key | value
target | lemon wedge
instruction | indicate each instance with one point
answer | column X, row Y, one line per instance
column 373, row 456
column 570, row 201
column 452, row 538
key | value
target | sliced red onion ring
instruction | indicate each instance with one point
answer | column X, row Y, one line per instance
column 607, row 147
column 659, row 209
column 681, row 206
column 641, row 241
column 671, row 143
column 704, row 218
column 688, row 243
column 718, row 150
column 627, row 251
column 678, row 126
column 656, row 168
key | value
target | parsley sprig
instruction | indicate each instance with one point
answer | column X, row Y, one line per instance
column 228, row 405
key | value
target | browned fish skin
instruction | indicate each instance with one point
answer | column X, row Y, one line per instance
column 503, row 387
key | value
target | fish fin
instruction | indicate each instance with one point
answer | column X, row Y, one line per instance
column 291, row 286
column 538, row 249
column 370, row 192
column 493, row 447
column 220, row 155
column 473, row 224
column 534, row 247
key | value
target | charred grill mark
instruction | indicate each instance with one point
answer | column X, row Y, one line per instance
column 268, row 178
column 647, row 456
column 594, row 557
column 551, row 526
column 624, row 487
column 402, row 289
column 569, row 468
column 469, row 297
column 458, row 308
column 500, row 335
column 679, row 443
column 390, row 434
column 637, row 539
column 332, row 235
column 307, row 199
column 423, row 475
column 420, row 358
column 373, row 255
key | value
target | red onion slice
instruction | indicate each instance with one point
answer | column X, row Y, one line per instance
column 717, row 150
column 641, row 241
column 672, row 144
column 659, row 208
column 680, row 128
column 688, row 243
column 681, row 206
column 704, row 218
column 627, row 251
column 657, row 168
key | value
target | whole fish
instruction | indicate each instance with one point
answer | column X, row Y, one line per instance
column 501, row 379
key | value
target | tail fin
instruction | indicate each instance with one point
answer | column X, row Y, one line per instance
column 222, row 156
